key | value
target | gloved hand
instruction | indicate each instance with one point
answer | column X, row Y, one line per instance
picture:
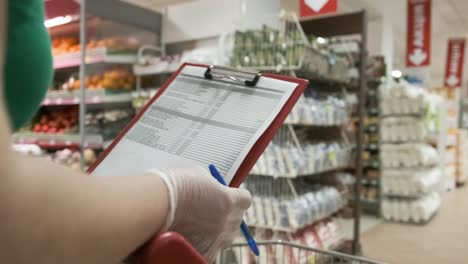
column 204, row 211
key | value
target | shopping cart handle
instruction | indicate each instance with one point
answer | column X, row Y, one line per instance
column 171, row 247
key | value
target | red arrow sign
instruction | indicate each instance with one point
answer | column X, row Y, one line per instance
column 317, row 7
column 418, row 45
column 454, row 64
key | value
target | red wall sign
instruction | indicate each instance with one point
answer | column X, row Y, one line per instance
column 418, row 45
column 317, row 7
column 55, row 8
column 454, row 64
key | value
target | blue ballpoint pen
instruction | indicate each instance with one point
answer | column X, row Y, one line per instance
column 245, row 230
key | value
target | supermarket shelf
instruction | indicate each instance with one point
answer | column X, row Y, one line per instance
column 366, row 201
column 294, row 230
column 317, row 173
column 371, row 206
column 374, row 112
column 402, row 115
column 54, row 141
column 92, row 97
column 412, row 222
column 372, row 147
column 370, row 182
column 100, row 55
column 315, row 125
column 405, row 196
column 154, row 69
column 318, row 79
column 372, row 164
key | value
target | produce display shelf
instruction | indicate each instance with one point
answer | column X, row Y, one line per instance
column 57, row 141
column 92, row 97
column 99, row 55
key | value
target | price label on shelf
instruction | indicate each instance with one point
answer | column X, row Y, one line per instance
column 96, row 99
column 332, row 157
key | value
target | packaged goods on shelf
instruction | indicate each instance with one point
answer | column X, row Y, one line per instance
column 369, row 193
column 411, row 210
column 408, row 155
column 403, row 129
column 410, row 182
column 310, row 111
column 270, row 49
column 267, row 47
column 290, row 161
column 281, row 210
column 412, row 131
column 405, row 99
column 28, row 149
column 108, row 123
column 451, row 175
column 462, row 156
column 69, row 157
column 320, row 64
column 450, row 155
column 140, row 98
column 323, row 235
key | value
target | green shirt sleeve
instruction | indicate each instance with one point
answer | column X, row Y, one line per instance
column 28, row 60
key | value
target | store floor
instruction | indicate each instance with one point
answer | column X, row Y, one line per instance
column 443, row 240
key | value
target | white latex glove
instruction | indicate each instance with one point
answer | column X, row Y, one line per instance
column 202, row 210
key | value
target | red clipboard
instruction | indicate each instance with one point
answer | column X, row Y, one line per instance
column 170, row 241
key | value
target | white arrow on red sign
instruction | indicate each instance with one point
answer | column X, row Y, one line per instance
column 316, row 5
column 453, row 81
column 418, row 56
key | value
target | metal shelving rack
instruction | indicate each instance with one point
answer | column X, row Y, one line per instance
column 324, row 26
column 86, row 19
column 341, row 25
column 117, row 11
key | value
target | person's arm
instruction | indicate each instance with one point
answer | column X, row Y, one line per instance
column 51, row 214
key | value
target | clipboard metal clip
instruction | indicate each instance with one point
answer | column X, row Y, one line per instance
column 249, row 78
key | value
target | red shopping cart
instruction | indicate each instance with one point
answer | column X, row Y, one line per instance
column 173, row 248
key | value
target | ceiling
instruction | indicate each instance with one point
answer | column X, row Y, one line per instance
column 449, row 19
